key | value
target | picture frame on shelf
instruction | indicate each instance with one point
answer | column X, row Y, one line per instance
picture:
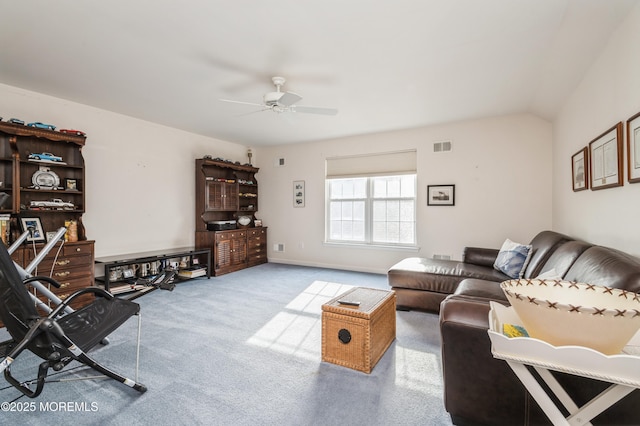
column 70, row 184
column 633, row 148
column 298, row 193
column 441, row 195
column 605, row 159
column 580, row 170
column 37, row 235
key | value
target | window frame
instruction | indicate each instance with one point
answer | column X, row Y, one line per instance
column 368, row 207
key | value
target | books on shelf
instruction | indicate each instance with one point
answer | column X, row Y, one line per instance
column 126, row 288
column 192, row 272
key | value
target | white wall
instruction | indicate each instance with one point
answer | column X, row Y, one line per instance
column 609, row 93
column 501, row 167
column 140, row 183
column 139, row 176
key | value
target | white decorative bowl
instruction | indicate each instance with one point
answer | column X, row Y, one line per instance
column 568, row 313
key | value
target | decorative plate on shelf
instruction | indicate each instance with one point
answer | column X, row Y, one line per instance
column 244, row 220
column 45, row 179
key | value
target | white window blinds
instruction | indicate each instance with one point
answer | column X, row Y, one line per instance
column 387, row 163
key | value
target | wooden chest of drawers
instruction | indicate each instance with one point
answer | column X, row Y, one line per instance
column 256, row 246
column 234, row 249
column 72, row 265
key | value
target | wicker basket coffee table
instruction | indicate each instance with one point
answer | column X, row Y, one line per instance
column 356, row 336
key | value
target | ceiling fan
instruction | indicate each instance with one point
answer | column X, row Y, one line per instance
column 280, row 101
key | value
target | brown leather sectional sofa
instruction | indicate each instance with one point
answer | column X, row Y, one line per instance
column 479, row 389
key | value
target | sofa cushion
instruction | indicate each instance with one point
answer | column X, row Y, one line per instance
column 544, row 244
column 480, row 256
column 512, row 259
column 606, row 267
column 551, row 274
column 482, row 289
column 564, row 257
column 442, row 276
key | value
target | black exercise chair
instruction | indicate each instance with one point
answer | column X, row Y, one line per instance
column 57, row 338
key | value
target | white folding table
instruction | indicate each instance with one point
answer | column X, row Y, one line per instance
column 622, row 371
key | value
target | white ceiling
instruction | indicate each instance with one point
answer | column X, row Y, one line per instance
column 385, row 65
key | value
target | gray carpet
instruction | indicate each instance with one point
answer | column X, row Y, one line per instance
column 245, row 349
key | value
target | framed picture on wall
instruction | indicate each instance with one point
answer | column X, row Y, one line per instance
column 298, row 193
column 633, row 148
column 605, row 157
column 441, row 195
column 580, row 169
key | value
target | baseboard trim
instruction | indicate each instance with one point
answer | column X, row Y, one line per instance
column 328, row 266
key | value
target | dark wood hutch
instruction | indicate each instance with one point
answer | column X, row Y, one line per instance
column 226, row 204
column 28, row 182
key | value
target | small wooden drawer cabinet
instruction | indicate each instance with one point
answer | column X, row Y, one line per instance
column 71, row 265
column 256, row 246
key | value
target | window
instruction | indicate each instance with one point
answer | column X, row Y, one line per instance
column 376, row 210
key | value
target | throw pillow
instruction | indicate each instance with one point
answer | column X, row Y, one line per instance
column 512, row 259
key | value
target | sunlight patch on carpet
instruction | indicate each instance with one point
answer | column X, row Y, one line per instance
column 297, row 329
column 417, row 371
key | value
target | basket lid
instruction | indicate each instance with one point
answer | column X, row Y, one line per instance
column 369, row 298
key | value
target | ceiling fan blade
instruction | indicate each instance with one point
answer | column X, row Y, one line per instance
column 288, row 99
column 241, row 102
column 253, row 112
column 314, row 110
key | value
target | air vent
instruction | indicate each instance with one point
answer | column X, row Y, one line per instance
column 441, row 257
column 442, row 146
column 278, row 162
column 278, row 247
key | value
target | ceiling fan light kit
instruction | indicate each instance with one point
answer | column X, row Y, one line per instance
column 280, row 101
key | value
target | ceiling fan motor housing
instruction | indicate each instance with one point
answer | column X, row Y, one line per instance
column 272, row 98
column 280, row 101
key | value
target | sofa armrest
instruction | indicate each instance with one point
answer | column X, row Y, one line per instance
column 478, row 388
column 480, row 256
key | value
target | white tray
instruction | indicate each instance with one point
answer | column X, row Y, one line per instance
column 622, row 369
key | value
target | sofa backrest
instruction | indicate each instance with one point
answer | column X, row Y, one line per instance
column 606, row 267
column 543, row 245
column 564, row 256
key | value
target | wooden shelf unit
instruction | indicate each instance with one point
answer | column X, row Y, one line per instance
column 73, row 267
column 124, row 285
column 226, row 191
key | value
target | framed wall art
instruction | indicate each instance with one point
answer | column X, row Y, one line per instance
column 605, row 158
column 633, row 148
column 33, row 223
column 580, row 170
column 441, row 195
column 298, row 193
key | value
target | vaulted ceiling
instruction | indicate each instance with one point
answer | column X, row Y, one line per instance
column 384, row 65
